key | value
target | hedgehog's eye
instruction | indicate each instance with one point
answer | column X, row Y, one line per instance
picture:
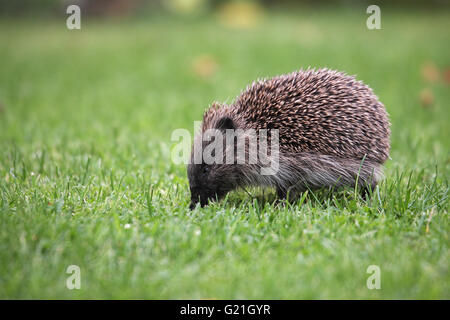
column 205, row 170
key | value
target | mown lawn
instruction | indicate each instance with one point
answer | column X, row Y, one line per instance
column 86, row 176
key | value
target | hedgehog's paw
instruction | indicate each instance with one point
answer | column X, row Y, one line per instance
column 368, row 189
column 290, row 194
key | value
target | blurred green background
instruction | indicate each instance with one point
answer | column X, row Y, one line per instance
column 86, row 179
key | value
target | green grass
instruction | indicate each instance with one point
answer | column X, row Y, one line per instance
column 86, row 118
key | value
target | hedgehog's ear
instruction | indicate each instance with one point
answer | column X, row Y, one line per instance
column 225, row 123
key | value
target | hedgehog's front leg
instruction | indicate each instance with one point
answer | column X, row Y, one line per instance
column 368, row 189
column 281, row 194
column 290, row 193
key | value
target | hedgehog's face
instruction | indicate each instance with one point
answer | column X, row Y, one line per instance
column 210, row 179
column 208, row 182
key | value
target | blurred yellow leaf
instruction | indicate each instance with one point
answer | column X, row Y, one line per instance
column 446, row 75
column 184, row 6
column 204, row 66
column 240, row 14
column 430, row 72
column 427, row 98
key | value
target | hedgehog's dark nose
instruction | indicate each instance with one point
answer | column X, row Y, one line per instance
column 195, row 200
column 197, row 197
column 194, row 203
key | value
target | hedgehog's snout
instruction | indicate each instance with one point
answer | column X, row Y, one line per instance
column 197, row 186
column 197, row 197
column 194, row 204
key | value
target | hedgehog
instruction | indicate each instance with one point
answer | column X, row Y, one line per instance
column 332, row 132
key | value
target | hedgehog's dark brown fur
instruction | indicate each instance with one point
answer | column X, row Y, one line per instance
column 332, row 131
